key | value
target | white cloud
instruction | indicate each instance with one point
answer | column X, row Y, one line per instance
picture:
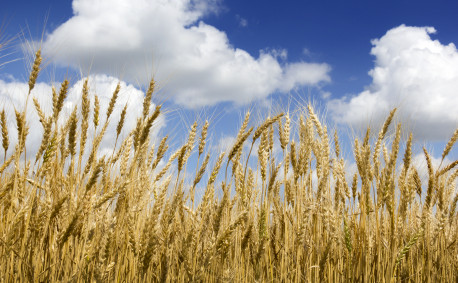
column 297, row 74
column 413, row 72
column 277, row 53
column 225, row 144
column 194, row 62
column 13, row 96
column 306, row 51
column 242, row 21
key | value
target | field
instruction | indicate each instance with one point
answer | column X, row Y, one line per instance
column 260, row 217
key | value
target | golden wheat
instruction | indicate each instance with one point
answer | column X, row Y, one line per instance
column 128, row 217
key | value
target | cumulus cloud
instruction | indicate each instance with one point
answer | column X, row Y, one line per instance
column 13, row 96
column 194, row 62
column 413, row 72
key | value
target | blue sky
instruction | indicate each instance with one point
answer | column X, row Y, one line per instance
column 354, row 59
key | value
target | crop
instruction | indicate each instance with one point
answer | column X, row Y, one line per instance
column 282, row 216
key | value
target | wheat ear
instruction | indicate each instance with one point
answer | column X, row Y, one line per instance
column 5, row 140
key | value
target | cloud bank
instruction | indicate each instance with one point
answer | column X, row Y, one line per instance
column 194, row 62
column 413, row 72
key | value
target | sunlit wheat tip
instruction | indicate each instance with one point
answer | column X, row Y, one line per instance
column 148, row 96
column 450, row 144
column 96, row 111
column 59, row 101
column 72, row 133
column 203, row 138
column 4, row 125
column 35, row 70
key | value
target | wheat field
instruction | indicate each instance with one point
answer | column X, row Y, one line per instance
column 247, row 215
